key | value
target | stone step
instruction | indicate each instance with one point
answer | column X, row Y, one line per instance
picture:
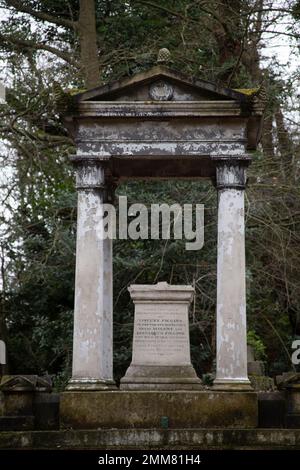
column 121, row 439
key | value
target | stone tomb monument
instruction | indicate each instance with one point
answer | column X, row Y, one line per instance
column 159, row 124
column 161, row 358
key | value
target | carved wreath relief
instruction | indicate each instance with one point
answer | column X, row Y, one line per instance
column 161, row 91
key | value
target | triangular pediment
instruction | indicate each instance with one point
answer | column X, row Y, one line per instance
column 161, row 84
column 18, row 383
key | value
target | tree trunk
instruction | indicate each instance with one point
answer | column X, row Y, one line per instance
column 3, row 328
column 226, row 33
column 88, row 43
column 267, row 136
column 284, row 143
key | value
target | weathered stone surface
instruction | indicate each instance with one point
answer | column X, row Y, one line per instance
column 29, row 410
column 46, row 410
column 144, row 409
column 161, row 378
column 262, row 383
column 135, row 88
column 293, row 398
column 25, row 383
column 288, row 379
column 92, row 342
column 231, row 361
column 18, row 383
column 175, row 139
column 18, row 392
column 197, row 119
column 18, row 404
column 16, row 423
column 289, row 382
column 159, row 439
column 256, row 368
column 161, row 90
column 161, row 356
column 271, row 409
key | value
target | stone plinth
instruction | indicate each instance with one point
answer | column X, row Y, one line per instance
column 161, row 347
column 18, row 392
column 271, row 409
column 293, row 405
column 293, row 398
column 254, row 366
column 156, row 409
column 289, row 382
column 24, row 403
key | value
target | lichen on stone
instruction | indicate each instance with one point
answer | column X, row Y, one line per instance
column 261, row 383
column 247, row 91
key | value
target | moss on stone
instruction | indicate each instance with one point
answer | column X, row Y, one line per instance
column 76, row 91
column 261, row 383
column 189, row 409
column 153, row 439
column 247, row 91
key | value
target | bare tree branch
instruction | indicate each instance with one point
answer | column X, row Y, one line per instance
column 180, row 15
column 39, row 15
column 26, row 43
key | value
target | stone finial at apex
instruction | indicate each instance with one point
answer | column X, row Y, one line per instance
column 163, row 56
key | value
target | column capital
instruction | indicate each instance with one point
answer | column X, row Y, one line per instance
column 231, row 172
column 89, row 173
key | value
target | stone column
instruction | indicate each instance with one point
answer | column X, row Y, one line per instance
column 93, row 312
column 231, row 373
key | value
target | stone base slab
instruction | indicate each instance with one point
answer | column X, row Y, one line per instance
column 232, row 386
column 142, row 377
column 159, row 439
column 79, row 384
column 155, row 409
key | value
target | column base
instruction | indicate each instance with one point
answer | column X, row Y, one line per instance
column 231, row 385
column 90, row 384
